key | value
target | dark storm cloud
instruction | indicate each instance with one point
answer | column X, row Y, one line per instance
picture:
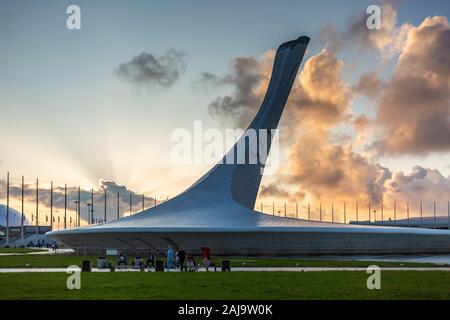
column 149, row 70
column 244, row 79
column 273, row 190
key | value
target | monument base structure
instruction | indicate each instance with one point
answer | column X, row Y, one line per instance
column 217, row 210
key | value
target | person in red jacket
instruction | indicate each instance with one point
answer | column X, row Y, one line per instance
column 206, row 254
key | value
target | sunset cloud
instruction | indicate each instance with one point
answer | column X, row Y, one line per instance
column 324, row 169
column 422, row 184
column 370, row 85
column 386, row 42
column 414, row 112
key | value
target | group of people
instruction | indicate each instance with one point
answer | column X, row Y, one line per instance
column 183, row 261
column 174, row 259
column 43, row 244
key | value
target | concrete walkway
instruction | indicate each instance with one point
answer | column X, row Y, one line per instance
column 45, row 251
column 261, row 269
column 411, row 258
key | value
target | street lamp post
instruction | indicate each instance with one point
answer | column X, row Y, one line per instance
column 345, row 213
column 92, row 206
column 131, row 205
column 357, row 213
column 23, row 213
column 76, row 212
column 37, row 206
column 79, row 206
column 118, row 205
column 89, row 213
column 7, row 209
column 407, row 213
column 104, row 218
column 51, row 205
column 65, row 206
column 434, row 214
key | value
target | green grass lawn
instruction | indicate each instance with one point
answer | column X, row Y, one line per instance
column 228, row 285
column 19, row 250
column 62, row 261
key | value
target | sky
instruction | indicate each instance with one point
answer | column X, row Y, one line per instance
column 75, row 111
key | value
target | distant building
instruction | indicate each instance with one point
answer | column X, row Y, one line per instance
column 14, row 232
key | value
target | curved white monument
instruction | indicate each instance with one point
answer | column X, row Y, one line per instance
column 217, row 210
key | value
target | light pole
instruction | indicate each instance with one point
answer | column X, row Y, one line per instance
column 65, row 206
column 320, row 211
column 118, row 205
column 345, row 213
column 76, row 212
column 357, row 213
column 7, row 209
column 79, row 206
column 105, row 206
column 434, row 214
column 131, row 204
column 37, row 206
column 89, row 213
column 448, row 214
column 395, row 212
column 332, row 212
column 421, row 212
column 23, row 213
column 51, row 205
column 407, row 213
column 92, row 206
